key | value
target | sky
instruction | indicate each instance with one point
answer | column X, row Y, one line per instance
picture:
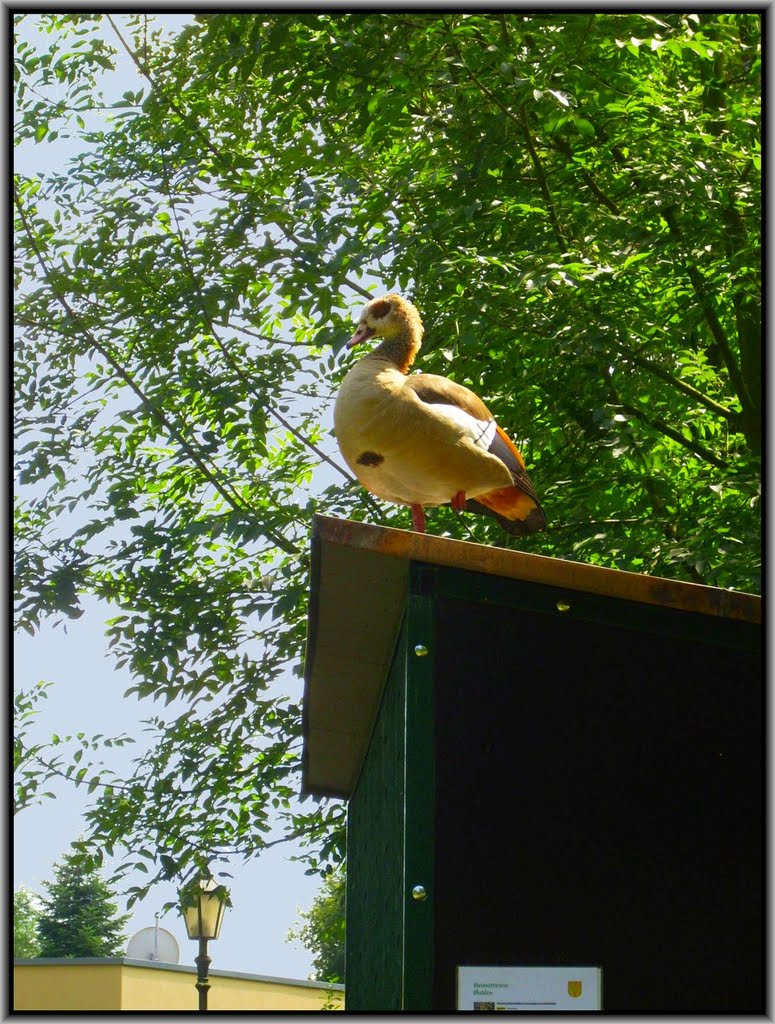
column 87, row 696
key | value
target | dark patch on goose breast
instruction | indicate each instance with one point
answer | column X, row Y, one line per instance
column 370, row 459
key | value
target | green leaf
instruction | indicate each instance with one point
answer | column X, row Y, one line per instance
column 584, row 127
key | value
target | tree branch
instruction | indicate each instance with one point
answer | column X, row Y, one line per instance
column 675, row 382
column 155, row 411
column 563, row 527
column 711, row 318
column 208, row 145
column 661, row 427
column 564, row 148
column 542, row 182
column 232, row 362
column 524, row 127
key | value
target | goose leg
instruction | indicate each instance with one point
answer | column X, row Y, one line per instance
column 418, row 519
column 459, row 501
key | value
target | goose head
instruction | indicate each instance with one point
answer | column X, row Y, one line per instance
column 390, row 317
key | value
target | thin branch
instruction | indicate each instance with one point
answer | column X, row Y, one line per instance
column 171, row 830
column 289, row 235
column 663, row 428
column 493, row 97
column 522, row 122
column 711, row 317
column 61, row 107
column 542, row 182
column 594, row 522
column 675, row 382
column 232, row 362
column 208, row 145
column 155, row 411
column 563, row 147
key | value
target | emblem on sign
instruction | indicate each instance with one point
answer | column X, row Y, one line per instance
column 574, row 989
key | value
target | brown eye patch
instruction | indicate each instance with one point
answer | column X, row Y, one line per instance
column 380, row 309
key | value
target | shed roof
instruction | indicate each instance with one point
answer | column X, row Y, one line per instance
column 359, row 581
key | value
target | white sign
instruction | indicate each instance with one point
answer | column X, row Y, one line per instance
column 529, row 988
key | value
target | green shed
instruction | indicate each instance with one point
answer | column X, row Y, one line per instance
column 546, row 764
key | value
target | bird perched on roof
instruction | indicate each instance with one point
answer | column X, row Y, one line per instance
column 420, row 439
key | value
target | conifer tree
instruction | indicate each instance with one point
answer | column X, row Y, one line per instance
column 79, row 917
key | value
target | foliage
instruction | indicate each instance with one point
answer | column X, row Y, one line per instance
column 573, row 202
column 321, row 928
column 26, row 752
column 26, row 914
column 190, row 893
column 79, row 915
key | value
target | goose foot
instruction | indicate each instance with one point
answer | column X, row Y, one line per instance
column 418, row 519
column 459, row 501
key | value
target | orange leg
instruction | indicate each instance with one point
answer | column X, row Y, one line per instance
column 459, row 501
column 418, row 519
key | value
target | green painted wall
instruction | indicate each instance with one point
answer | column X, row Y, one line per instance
column 374, row 941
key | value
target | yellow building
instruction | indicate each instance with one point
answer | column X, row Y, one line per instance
column 118, row 983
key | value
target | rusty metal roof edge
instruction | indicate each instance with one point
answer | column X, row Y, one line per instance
column 465, row 555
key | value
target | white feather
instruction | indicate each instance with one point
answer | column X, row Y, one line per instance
column 481, row 432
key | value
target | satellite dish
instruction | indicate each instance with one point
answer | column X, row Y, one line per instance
column 154, row 944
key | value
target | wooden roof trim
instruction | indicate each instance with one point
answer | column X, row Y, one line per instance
column 556, row 572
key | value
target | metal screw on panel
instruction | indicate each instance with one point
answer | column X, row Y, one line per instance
column 420, row 650
column 419, row 893
column 563, row 606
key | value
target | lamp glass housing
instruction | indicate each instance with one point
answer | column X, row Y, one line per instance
column 203, row 919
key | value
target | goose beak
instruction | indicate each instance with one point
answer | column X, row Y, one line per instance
column 360, row 335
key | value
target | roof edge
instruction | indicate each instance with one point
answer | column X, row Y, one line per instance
column 560, row 572
column 156, row 965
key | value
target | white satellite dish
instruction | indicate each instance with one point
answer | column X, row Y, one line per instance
column 154, row 944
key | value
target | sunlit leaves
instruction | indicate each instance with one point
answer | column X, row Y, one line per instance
column 571, row 199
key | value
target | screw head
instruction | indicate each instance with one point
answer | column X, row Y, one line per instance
column 419, row 893
column 420, row 650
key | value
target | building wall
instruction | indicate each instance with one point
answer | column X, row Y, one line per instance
column 67, row 986
column 121, row 984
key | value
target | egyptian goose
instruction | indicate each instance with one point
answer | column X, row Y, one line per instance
column 423, row 440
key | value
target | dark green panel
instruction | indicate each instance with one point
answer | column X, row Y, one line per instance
column 599, row 801
column 419, row 786
column 374, row 942
column 484, row 589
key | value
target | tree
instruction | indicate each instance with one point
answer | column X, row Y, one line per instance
column 79, row 916
column 321, row 928
column 573, row 202
column 26, row 914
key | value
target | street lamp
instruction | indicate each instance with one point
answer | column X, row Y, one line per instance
column 203, row 904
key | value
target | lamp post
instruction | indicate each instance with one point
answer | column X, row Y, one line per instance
column 203, row 905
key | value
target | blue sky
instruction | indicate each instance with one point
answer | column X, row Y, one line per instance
column 87, row 696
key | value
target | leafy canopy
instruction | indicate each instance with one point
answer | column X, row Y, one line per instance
column 572, row 200
column 321, row 928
